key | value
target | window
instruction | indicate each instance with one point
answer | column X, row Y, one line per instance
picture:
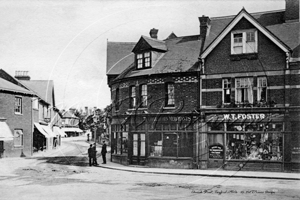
column 119, row 139
column 257, row 141
column 143, row 97
column 143, row 60
column 171, row 144
column 261, row 89
column 226, row 90
column 35, row 103
column 170, row 95
column 243, row 42
column 18, row 137
column 117, row 103
column 18, row 105
column 132, row 95
column 244, row 90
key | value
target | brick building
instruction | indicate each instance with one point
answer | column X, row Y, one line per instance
column 225, row 98
column 16, row 118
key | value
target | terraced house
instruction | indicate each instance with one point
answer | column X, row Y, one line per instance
column 227, row 97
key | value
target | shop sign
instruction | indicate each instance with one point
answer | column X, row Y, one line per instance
column 216, row 151
column 244, row 116
column 174, row 119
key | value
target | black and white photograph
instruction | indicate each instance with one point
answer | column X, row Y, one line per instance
column 149, row 99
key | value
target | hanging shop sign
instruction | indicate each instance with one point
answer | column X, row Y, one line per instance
column 216, row 151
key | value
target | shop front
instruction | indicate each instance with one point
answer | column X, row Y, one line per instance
column 156, row 141
column 245, row 141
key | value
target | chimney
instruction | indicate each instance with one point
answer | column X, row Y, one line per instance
column 204, row 26
column 22, row 75
column 153, row 33
column 291, row 10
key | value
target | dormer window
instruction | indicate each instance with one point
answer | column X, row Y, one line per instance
column 143, row 60
column 244, row 42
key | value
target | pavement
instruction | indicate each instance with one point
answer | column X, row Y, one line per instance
column 185, row 172
column 202, row 172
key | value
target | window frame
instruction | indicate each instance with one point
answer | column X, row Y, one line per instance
column 143, row 60
column 21, row 135
column 244, row 86
column 245, row 41
column 117, row 99
column 18, row 109
column 143, row 95
column 228, row 82
column 132, row 96
column 167, row 95
column 262, row 79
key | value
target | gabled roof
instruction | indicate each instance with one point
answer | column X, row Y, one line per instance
column 242, row 14
column 11, row 87
column 149, row 43
column 43, row 88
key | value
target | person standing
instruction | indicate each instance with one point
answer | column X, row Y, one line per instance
column 95, row 155
column 90, row 153
column 103, row 152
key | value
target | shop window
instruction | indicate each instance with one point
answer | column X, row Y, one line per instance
column 170, row 95
column 244, row 90
column 262, row 89
column 143, row 60
column 250, row 145
column 132, row 94
column 18, row 105
column 143, row 96
column 244, row 42
column 125, row 142
column 155, row 144
column 18, row 138
column 226, row 90
column 171, row 144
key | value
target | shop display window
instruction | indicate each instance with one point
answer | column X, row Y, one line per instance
column 254, row 142
column 171, row 144
column 156, row 144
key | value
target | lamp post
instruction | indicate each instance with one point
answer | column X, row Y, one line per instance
column 95, row 119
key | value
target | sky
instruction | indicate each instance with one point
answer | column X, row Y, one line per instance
column 65, row 41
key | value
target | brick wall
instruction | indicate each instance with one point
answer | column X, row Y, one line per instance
column 15, row 121
column 185, row 93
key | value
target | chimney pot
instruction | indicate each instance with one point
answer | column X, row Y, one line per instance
column 22, row 75
column 153, row 33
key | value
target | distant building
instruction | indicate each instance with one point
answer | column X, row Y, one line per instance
column 227, row 97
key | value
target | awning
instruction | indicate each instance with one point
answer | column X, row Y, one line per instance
column 72, row 129
column 41, row 130
column 5, row 132
column 58, row 131
column 49, row 131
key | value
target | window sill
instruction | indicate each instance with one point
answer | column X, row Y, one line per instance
column 248, row 56
column 18, row 113
column 169, row 108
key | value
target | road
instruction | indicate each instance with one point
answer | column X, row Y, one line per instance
column 65, row 175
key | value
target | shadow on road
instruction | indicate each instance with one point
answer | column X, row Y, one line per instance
column 66, row 160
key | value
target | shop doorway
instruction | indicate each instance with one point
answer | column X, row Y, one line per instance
column 139, row 149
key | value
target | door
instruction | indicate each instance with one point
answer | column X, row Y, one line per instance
column 215, row 150
column 139, row 149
